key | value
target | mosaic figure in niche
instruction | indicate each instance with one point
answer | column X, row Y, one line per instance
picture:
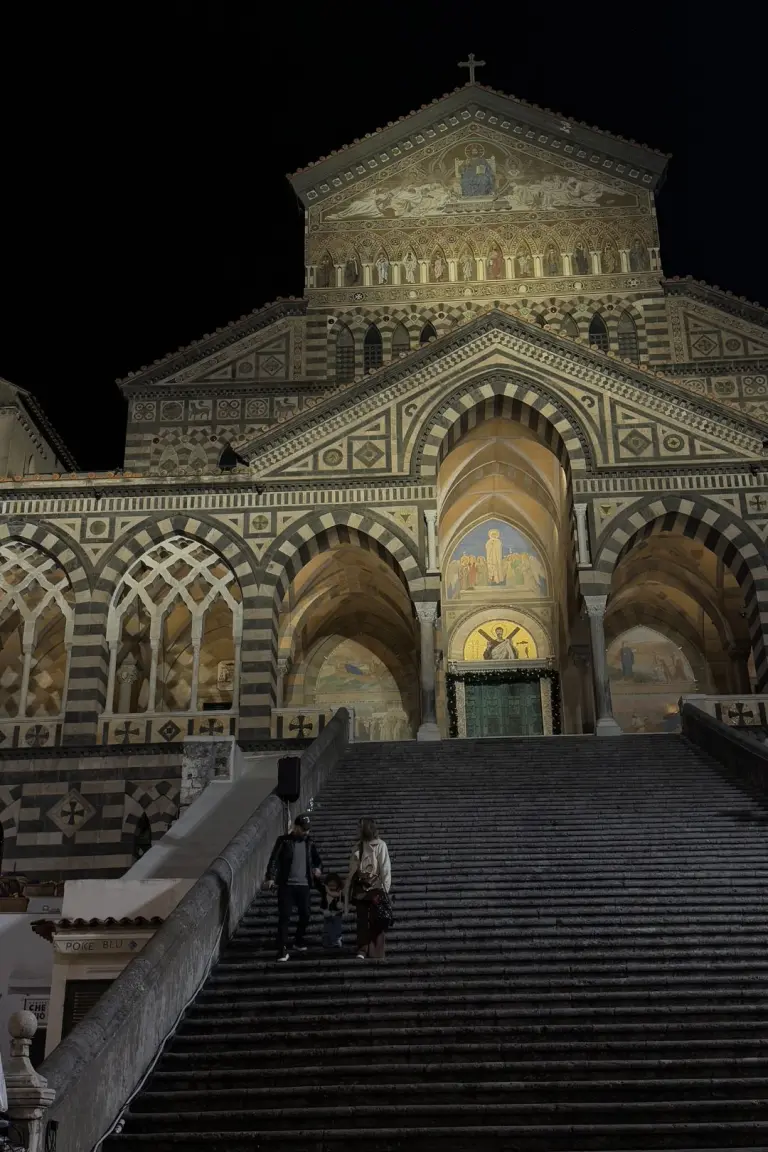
column 382, row 269
column 410, row 266
column 609, row 260
column 352, row 274
column 551, row 261
column 524, row 263
column 580, row 261
column 466, row 267
column 326, row 273
column 495, row 265
column 638, row 257
column 439, row 268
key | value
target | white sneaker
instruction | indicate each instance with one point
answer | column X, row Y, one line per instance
column 284, row 955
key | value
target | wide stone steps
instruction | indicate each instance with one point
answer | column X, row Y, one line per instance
column 579, row 964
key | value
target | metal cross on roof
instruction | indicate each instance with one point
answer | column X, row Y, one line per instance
column 471, row 63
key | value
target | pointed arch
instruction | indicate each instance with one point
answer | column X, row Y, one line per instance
column 345, row 355
column 513, row 398
column 569, row 327
column 627, row 336
column 373, row 353
column 598, row 333
column 401, row 340
column 719, row 530
column 427, row 333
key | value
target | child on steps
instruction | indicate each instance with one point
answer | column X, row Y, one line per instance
column 332, row 904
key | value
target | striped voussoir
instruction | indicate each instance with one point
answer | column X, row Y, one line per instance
column 510, row 398
column 86, row 698
column 83, row 666
column 716, row 528
column 286, row 556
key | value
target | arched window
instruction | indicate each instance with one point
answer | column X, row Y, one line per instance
column 598, row 333
column 628, row 338
column 372, row 353
column 401, row 341
column 174, row 630
column 345, row 356
column 36, row 625
column 569, row 327
column 427, row 333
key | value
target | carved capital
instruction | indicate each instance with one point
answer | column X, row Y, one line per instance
column 283, row 665
column 426, row 610
column 430, row 515
column 595, row 605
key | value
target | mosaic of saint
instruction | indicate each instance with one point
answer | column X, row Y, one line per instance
column 481, row 174
column 648, row 674
column 495, row 557
column 500, row 640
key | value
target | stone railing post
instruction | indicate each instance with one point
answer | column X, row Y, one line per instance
column 29, row 1096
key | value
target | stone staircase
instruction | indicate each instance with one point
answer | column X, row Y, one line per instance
column 580, row 961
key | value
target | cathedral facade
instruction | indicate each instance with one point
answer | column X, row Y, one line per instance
column 493, row 474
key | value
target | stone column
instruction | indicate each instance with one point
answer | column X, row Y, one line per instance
column 427, row 613
column 29, row 1096
column 283, row 668
column 581, row 533
column 430, row 515
column 624, row 257
column 395, row 269
column 538, row 265
column 595, row 263
column 605, row 725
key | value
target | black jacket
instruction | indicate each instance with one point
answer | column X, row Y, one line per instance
column 279, row 866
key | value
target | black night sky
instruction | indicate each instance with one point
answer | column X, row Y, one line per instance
column 145, row 148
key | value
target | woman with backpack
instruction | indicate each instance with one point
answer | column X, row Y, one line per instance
column 367, row 885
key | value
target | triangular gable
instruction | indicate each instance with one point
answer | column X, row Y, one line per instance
column 479, row 167
column 628, row 415
column 702, row 332
column 421, row 131
column 267, row 345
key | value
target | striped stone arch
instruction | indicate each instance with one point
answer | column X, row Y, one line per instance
column 302, row 540
column 719, row 530
column 513, row 399
column 506, row 396
column 86, row 702
column 61, row 547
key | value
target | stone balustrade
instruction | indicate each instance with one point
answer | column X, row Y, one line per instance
column 29, row 1096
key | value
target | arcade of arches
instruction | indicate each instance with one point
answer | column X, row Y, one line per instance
column 506, row 636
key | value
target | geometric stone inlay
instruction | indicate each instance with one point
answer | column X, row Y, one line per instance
column 71, row 812
column 169, row 730
column 369, row 454
column 635, row 442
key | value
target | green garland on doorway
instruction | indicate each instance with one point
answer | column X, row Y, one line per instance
column 502, row 676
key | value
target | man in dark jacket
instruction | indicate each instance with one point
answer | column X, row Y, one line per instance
column 294, row 866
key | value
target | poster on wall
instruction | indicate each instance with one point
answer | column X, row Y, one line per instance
column 648, row 673
column 351, row 672
column 494, row 557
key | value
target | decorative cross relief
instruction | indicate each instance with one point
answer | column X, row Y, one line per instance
column 471, row 64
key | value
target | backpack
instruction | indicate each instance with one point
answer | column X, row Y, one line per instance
column 367, row 871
